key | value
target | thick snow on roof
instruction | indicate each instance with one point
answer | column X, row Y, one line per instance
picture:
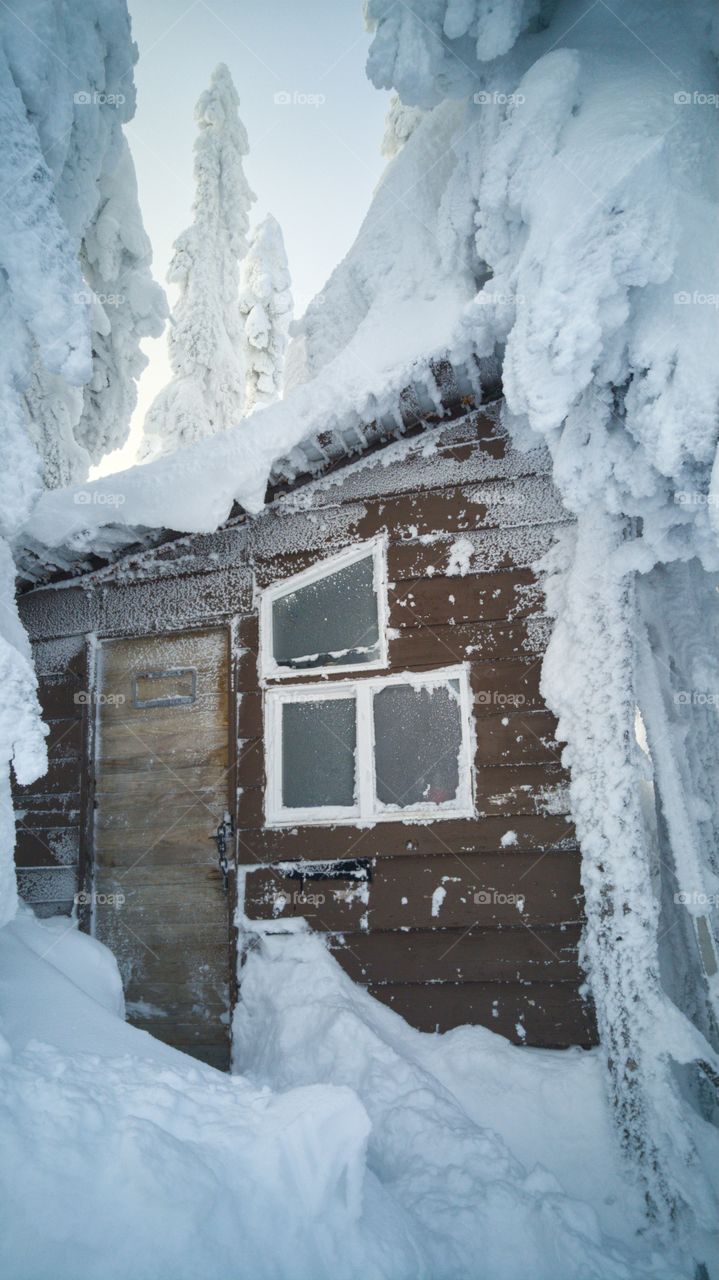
column 194, row 489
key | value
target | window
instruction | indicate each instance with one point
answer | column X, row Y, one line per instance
column 417, row 734
column 331, row 617
column 319, row 744
column 375, row 749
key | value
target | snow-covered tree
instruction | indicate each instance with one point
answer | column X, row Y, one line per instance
column 125, row 305
column 78, row 125
column 556, row 205
column 63, row 101
column 73, row 427
column 207, row 390
column 266, row 308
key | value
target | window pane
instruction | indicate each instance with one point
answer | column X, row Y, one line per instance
column 418, row 737
column 330, row 622
column 318, row 753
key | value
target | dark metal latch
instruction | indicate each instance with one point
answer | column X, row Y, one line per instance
column 222, row 837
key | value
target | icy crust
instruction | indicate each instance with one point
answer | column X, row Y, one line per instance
column 53, row 657
column 78, row 294
column 395, row 295
column 47, row 884
column 590, row 680
column 22, row 740
column 266, row 307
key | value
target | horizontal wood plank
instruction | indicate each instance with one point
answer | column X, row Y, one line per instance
column 545, row 1015
column 399, row 839
column 486, row 597
column 51, row 846
column 443, row 892
column 490, row 551
column 47, row 884
column 474, row 955
column 62, row 778
column 514, row 790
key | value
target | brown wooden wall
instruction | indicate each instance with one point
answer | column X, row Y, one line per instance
column 52, row 813
column 503, row 949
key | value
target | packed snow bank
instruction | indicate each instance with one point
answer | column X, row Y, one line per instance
column 124, row 1158
column 377, row 1153
column 489, row 1148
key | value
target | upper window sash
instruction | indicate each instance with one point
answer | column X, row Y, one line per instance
column 270, row 669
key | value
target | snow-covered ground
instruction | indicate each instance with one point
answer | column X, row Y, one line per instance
column 349, row 1146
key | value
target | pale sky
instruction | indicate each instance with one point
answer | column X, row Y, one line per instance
column 313, row 166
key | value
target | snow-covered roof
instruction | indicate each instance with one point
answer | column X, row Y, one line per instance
column 195, row 489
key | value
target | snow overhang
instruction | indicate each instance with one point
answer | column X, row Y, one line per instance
column 197, row 489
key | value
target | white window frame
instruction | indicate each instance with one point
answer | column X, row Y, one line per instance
column 269, row 668
column 366, row 809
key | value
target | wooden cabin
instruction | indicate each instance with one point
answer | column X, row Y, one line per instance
column 330, row 710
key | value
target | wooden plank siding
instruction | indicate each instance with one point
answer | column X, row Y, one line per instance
column 51, row 814
column 464, row 518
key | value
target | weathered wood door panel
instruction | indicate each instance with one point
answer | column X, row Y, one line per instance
column 162, row 785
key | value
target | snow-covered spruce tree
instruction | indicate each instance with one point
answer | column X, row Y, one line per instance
column 126, row 305
column 80, row 134
column 562, row 213
column 266, row 309
column 63, row 101
column 207, row 390
column 73, row 427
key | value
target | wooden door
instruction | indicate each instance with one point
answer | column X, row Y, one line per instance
column 162, row 785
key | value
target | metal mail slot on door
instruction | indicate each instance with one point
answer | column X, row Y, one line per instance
column 174, row 687
column 358, row 869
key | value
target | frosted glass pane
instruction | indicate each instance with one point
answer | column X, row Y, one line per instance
column 330, row 622
column 418, row 736
column 318, row 753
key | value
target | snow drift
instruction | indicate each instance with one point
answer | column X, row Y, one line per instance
column 373, row 1153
